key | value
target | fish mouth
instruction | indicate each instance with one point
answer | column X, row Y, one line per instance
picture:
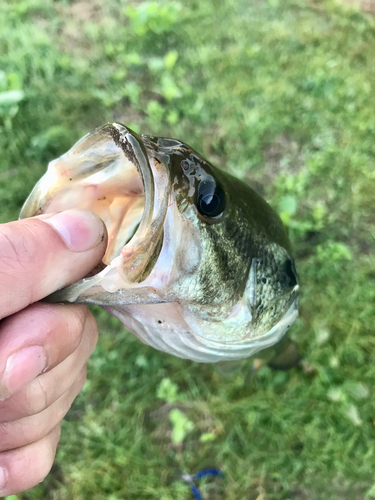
column 110, row 173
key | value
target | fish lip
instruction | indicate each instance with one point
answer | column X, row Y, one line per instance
column 133, row 148
column 155, row 178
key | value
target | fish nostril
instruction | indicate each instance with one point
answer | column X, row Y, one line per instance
column 289, row 275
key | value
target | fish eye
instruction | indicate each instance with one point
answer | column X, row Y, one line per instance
column 210, row 200
column 289, row 275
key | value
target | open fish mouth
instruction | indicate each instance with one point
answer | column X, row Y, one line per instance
column 110, row 173
column 197, row 265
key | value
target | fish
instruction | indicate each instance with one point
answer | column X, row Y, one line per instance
column 198, row 265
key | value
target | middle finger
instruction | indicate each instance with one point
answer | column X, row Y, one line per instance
column 35, row 340
column 30, row 429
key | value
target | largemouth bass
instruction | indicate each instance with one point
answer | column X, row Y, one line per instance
column 197, row 265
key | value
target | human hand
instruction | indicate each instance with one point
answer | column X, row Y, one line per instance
column 43, row 347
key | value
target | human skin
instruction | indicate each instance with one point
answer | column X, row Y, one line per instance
column 43, row 347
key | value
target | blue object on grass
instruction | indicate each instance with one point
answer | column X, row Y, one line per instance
column 190, row 480
column 208, row 472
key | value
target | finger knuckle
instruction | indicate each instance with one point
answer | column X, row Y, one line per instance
column 22, row 246
column 49, row 444
column 82, row 378
column 77, row 315
column 29, row 465
column 36, row 397
column 92, row 332
column 57, row 318
column 17, row 248
column 73, row 392
column 4, row 435
column 71, row 321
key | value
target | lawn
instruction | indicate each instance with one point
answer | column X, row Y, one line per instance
column 281, row 94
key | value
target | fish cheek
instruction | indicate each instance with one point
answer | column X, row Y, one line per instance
column 224, row 266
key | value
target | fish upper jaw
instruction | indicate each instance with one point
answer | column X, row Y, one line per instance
column 109, row 172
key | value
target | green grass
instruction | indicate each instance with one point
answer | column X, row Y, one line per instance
column 280, row 93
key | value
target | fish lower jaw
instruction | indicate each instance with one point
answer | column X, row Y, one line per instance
column 163, row 327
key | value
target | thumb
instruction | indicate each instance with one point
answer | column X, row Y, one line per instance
column 42, row 254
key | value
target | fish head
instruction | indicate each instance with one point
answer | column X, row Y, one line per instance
column 188, row 243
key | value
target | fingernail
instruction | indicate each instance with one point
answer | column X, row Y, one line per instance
column 2, row 478
column 21, row 368
column 80, row 229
